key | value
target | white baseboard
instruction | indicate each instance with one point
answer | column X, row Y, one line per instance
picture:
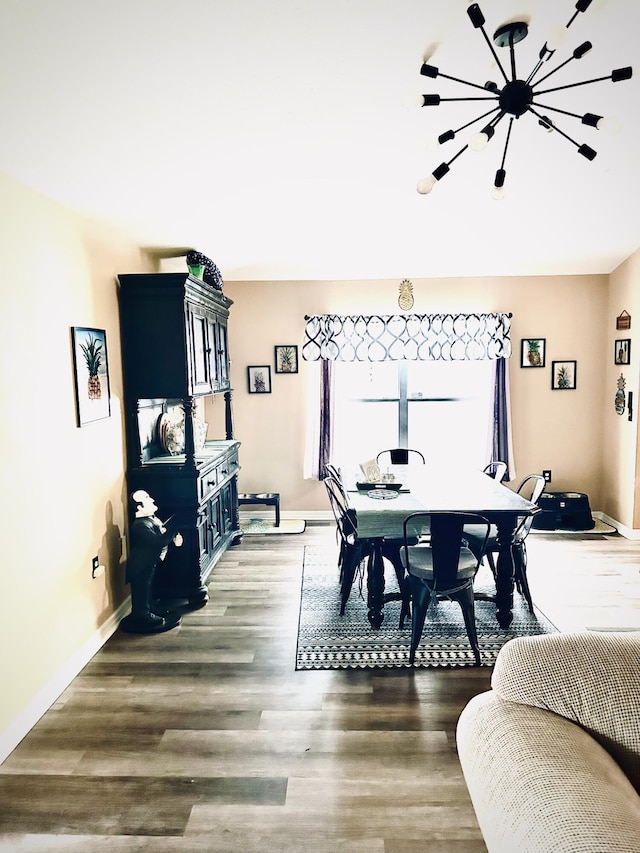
column 623, row 530
column 20, row 727
column 306, row 514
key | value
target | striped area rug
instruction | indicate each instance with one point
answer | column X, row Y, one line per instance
column 327, row 640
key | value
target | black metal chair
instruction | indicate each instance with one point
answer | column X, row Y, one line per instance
column 496, row 469
column 336, row 475
column 354, row 550
column 400, row 455
column 530, row 488
column 445, row 568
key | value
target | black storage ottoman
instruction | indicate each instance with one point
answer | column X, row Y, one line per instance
column 564, row 510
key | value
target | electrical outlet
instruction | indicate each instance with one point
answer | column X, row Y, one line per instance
column 547, row 475
column 95, row 567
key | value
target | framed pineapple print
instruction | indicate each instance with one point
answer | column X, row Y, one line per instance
column 91, row 374
column 286, row 357
column 259, row 379
column 563, row 375
column 532, row 352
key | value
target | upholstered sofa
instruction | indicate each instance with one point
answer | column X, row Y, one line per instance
column 551, row 754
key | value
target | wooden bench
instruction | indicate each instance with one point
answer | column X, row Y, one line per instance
column 266, row 498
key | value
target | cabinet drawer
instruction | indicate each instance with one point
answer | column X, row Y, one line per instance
column 216, row 475
column 207, row 484
column 228, row 466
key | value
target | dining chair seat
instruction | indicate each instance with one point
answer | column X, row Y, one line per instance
column 422, row 563
column 445, row 568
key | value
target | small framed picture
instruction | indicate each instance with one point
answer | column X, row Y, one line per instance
column 563, row 375
column 259, row 379
column 532, row 352
column 622, row 351
column 91, row 374
column 286, row 357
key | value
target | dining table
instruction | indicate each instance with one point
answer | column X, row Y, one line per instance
column 435, row 487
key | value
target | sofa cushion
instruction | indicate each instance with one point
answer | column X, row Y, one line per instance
column 588, row 677
column 540, row 783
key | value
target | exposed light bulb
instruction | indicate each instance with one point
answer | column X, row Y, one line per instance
column 425, row 185
column 478, row 141
column 557, row 37
column 411, row 101
column 610, row 125
column 498, row 193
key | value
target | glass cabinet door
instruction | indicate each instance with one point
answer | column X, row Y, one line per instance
column 199, row 365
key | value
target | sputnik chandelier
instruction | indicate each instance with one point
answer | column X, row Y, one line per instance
column 517, row 96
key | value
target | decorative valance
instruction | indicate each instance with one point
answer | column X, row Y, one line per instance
column 407, row 337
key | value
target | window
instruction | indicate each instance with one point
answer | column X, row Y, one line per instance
column 442, row 408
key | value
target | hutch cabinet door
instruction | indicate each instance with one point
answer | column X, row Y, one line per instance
column 199, row 349
column 222, row 357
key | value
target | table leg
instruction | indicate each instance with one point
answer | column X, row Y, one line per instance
column 375, row 586
column 505, row 573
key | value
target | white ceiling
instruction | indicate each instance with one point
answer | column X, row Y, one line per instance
column 272, row 136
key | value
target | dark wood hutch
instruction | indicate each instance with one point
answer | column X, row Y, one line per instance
column 174, row 353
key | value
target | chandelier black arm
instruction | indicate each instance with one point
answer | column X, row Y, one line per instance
column 585, row 150
column 440, row 171
column 460, row 80
column 593, row 118
column 557, row 68
column 435, row 100
column 433, row 71
column 506, row 143
column 581, row 83
column 478, row 20
column 450, row 134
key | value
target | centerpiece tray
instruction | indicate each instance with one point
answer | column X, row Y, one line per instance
column 389, row 487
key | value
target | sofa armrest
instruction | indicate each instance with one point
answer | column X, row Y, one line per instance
column 591, row 678
column 540, row 783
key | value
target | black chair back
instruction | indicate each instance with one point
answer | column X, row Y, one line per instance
column 401, row 455
column 496, row 469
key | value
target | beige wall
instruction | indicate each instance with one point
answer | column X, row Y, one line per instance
column 621, row 482
column 560, row 430
column 61, row 500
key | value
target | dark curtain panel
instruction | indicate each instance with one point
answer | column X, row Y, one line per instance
column 326, row 413
column 501, row 446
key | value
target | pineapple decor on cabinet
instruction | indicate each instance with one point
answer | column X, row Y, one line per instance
column 174, row 353
column 91, row 373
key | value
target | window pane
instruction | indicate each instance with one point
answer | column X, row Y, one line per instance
column 448, row 379
column 456, row 430
column 362, row 430
column 447, row 410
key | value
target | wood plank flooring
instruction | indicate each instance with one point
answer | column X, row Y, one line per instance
column 206, row 739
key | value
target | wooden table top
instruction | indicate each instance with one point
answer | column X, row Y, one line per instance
column 435, row 489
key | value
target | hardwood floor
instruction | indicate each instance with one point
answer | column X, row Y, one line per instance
column 206, row 739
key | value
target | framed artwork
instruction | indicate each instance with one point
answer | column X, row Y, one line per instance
column 532, row 352
column 259, row 379
column 91, row 374
column 622, row 351
column 286, row 357
column 563, row 375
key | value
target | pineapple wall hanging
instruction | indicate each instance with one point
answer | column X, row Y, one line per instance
column 620, row 399
column 91, row 374
column 405, row 295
